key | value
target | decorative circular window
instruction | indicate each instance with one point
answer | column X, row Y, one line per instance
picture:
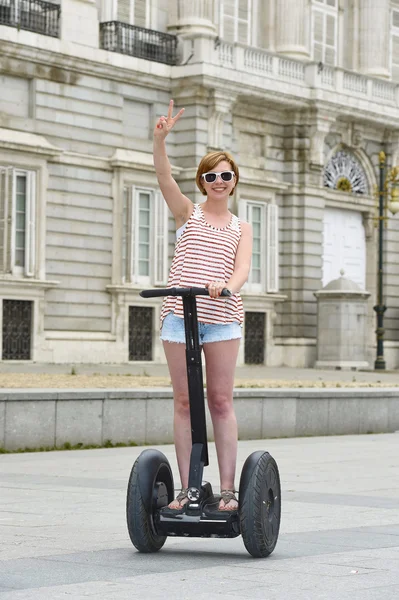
column 344, row 172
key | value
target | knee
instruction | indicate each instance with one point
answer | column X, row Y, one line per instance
column 220, row 405
column 181, row 404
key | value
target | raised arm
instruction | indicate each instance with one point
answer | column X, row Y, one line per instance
column 180, row 206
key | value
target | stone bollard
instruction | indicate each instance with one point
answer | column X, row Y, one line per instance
column 341, row 325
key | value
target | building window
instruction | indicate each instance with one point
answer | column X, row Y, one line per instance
column 263, row 217
column 140, row 332
column 325, row 31
column 134, row 12
column 17, row 329
column 145, row 237
column 17, row 221
column 236, row 21
column 254, row 343
column 395, row 45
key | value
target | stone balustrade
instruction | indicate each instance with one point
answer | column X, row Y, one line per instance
column 307, row 74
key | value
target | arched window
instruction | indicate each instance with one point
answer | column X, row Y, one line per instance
column 344, row 172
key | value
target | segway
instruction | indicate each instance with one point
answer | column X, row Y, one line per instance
column 150, row 489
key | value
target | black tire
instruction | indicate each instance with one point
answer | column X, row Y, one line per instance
column 260, row 504
column 150, row 487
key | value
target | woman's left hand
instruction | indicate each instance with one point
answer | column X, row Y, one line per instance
column 215, row 288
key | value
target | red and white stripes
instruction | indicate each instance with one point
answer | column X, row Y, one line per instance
column 204, row 253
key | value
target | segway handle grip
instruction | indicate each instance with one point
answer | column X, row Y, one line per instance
column 180, row 291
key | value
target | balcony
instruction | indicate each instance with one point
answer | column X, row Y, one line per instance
column 32, row 15
column 137, row 41
column 305, row 80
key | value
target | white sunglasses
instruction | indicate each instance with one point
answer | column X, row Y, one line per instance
column 211, row 176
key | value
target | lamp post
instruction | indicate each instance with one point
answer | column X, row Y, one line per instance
column 390, row 181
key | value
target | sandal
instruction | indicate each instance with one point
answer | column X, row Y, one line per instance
column 226, row 496
column 179, row 498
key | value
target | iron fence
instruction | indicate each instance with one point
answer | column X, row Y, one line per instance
column 137, row 41
column 32, row 15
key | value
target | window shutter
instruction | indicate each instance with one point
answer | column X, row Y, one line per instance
column 395, row 57
column 236, row 21
column 140, row 13
column 124, row 11
column 272, row 275
column 229, row 30
column 161, row 240
column 331, row 23
column 324, row 37
column 133, row 237
column 318, row 36
column 30, row 241
column 395, row 45
column 228, row 20
column 6, row 218
column 242, row 210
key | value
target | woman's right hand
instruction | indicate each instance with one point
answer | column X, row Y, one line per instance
column 165, row 124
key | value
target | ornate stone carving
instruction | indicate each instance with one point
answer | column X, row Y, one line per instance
column 344, row 172
column 220, row 107
column 320, row 125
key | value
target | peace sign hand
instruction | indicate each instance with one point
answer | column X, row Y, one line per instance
column 165, row 124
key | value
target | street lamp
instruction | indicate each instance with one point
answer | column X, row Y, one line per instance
column 386, row 184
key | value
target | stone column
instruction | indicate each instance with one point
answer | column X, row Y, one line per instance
column 193, row 22
column 108, row 10
column 292, row 29
column 195, row 16
column 374, row 36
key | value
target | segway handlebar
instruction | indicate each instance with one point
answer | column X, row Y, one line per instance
column 180, row 291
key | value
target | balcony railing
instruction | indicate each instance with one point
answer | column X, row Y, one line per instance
column 137, row 41
column 33, row 15
column 305, row 75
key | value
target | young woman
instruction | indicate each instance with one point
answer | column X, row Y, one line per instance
column 213, row 249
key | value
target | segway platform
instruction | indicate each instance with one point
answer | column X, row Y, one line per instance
column 151, row 489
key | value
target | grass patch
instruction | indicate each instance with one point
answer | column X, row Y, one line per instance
column 69, row 446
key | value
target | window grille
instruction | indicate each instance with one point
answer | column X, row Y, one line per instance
column 254, row 344
column 17, row 329
column 140, row 332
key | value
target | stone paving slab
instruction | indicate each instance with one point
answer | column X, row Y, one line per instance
column 63, row 531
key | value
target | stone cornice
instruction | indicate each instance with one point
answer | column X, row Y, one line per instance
column 8, row 282
column 134, row 159
column 86, row 60
column 27, row 142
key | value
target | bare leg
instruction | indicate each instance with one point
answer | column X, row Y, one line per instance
column 176, row 358
column 221, row 358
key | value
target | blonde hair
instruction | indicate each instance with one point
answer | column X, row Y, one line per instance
column 209, row 162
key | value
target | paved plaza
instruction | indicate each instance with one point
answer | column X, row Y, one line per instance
column 63, row 530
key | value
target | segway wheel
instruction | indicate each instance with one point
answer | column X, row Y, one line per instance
column 150, row 488
column 260, row 504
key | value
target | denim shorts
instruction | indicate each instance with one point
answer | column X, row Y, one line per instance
column 173, row 331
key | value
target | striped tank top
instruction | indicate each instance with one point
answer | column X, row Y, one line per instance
column 204, row 253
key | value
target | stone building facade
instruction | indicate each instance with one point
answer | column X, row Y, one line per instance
column 304, row 93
